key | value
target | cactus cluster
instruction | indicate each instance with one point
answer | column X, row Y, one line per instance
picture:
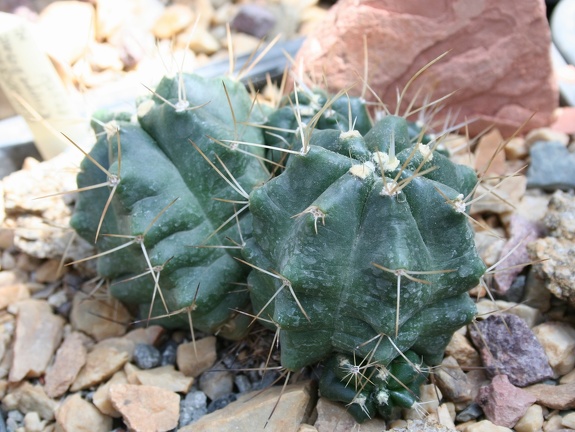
column 359, row 253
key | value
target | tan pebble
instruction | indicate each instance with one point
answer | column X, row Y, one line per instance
column 30, row 398
column 104, row 56
column 146, row 408
column 70, row 358
column 532, row 420
column 10, row 294
column 149, row 335
column 38, row 334
column 462, row 351
column 193, row 360
column 102, row 396
column 166, row 377
column 49, row 271
column 102, row 362
column 553, row 423
column 546, row 134
column 509, row 194
column 558, row 341
column 487, row 160
column 516, row 149
column 6, row 237
column 8, row 261
column 486, row 426
column 100, row 318
column 251, row 412
column 175, row 18
column 444, row 416
column 200, row 42
column 11, row 277
column 397, row 424
column 568, row 378
column 26, row 263
column 79, row 415
column 33, row 423
column 462, row 427
column 568, row 420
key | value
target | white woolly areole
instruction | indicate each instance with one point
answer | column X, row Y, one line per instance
column 390, row 188
column 363, row 170
column 111, row 128
column 459, row 204
column 145, row 107
column 425, row 151
column 388, row 163
column 349, row 134
column 382, row 397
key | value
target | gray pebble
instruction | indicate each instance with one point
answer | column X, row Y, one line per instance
column 169, row 353
column 146, row 356
column 15, row 419
column 192, row 407
column 221, row 402
column 471, row 412
column 243, row 383
column 552, row 166
column 254, row 19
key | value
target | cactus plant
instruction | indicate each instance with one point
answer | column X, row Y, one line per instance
column 361, row 247
column 167, row 201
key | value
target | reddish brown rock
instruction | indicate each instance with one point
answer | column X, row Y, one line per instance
column 38, row 334
column 509, row 347
column 498, row 60
column 503, row 403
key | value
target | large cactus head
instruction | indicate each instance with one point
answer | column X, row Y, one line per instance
column 169, row 206
column 362, row 247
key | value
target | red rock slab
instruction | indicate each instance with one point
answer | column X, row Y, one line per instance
column 498, row 57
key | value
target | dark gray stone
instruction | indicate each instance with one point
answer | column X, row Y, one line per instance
column 146, row 356
column 509, row 347
column 221, row 402
column 552, row 167
column 169, row 353
column 470, row 412
column 253, row 19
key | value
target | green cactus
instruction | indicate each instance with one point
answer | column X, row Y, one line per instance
column 362, row 247
column 167, row 201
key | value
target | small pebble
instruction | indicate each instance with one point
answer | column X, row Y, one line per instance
column 471, row 412
column 221, row 402
column 146, row 356
column 216, row 383
column 243, row 383
column 169, row 353
column 192, row 407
